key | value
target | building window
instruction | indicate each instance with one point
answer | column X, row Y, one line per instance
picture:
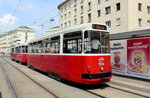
column 89, row 6
column 75, row 2
column 140, row 22
column 139, row 7
column 118, row 22
column 81, row 9
column 117, row 6
column 148, row 9
column 81, row 1
column 81, row 19
column 61, row 9
column 65, row 16
column 108, row 10
column 65, row 7
column 61, row 16
column 69, row 5
column 148, row 22
column 69, row 14
column 61, row 25
column 69, row 23
column 99, row 13
column 98, row 1
column 65, row 24
column 108, row 23
column 89, row 17
column 75, row 12
column 75, row 21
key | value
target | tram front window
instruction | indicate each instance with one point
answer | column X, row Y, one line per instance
column 96, row 42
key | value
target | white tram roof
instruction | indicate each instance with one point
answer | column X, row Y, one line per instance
column 67, row 30
column 20, row 45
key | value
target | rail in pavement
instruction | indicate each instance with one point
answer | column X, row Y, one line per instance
column 131, row 82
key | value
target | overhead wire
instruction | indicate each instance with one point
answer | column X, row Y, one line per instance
column 34, row 22
column 14, row 12
column 16, row 8
column 59, row 13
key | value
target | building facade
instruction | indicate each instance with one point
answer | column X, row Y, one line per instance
column 53, row 30
column 20, row 35
column 119, row 15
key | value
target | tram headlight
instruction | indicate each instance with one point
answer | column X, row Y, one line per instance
column 89, row 69
column 101, row 68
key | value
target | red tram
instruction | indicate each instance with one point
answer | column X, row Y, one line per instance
column 67, row 54
column 19, row 53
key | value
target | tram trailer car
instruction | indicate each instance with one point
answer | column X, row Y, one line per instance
column 12, row 53
column 19, row 53
column 67, row 54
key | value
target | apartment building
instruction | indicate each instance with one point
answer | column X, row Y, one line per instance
column 119, row 15
column 20, row 35
column 52, row 30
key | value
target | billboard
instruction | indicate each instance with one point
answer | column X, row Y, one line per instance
column 138, row 51
column 131, row 57
column 118, row 50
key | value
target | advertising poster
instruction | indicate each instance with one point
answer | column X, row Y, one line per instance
column 138, row 51
column 118, row 56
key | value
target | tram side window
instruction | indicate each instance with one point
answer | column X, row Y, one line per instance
column 24, row 49
column 46, row 45
column 33, row 48
column 30, row 48
column 12, row 50
column 18, row 49
column 72, row 42
column 39, row 47
column 55, row 44
column 15, row 49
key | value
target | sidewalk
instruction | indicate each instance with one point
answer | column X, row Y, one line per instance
column 4, row 55
column 131, row 82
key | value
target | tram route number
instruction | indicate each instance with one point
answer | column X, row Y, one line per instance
column 0, row 95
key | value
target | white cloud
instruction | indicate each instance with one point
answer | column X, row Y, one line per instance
column 6, row 21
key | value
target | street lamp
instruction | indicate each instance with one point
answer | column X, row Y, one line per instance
column 42, row 28
column 51, row 19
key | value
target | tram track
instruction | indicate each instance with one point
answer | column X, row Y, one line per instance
column 15, row 95
column 95, row 94
column 129, row 92
column 11, row 89
column 94, row 91
column 46, row 88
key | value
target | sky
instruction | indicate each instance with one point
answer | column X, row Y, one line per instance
column 32, row 13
